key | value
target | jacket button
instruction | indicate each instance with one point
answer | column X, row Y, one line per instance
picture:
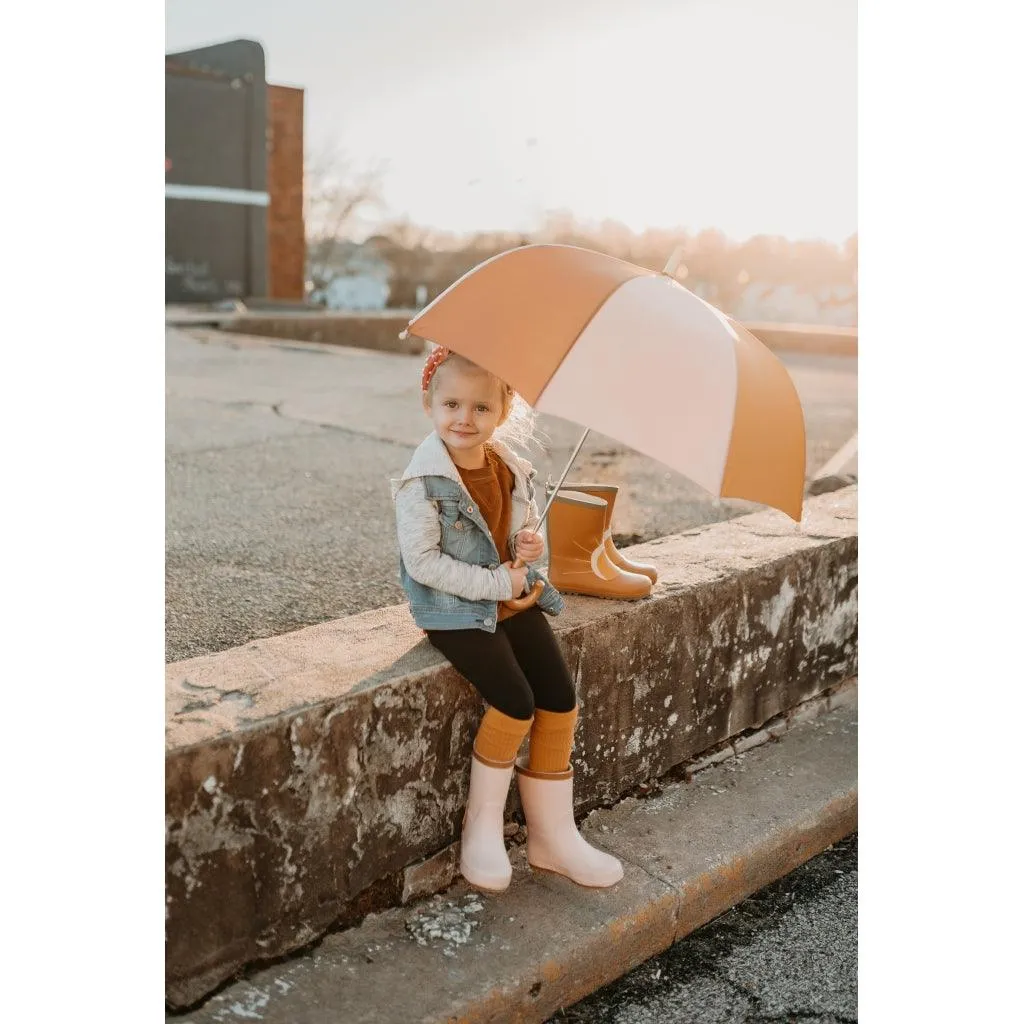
column 493, row 565
column 470, row 510
column 488, row 622
column 458, row 525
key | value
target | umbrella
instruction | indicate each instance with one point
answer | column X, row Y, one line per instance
column 631, row 353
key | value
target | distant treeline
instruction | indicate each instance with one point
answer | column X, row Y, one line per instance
column 718, row 268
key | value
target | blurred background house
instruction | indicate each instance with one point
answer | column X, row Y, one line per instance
column 352, row 275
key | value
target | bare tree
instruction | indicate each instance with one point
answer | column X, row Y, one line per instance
column 337, row 192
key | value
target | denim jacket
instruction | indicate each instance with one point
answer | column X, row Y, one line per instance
column 449, row 565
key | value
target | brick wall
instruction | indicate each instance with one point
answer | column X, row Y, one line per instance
column 286, row 236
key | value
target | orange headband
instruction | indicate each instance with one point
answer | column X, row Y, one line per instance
column 434, row 360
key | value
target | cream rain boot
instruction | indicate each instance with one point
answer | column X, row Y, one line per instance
column 483, row 860
column 608, row 492
column 578, row 562
column 553, row 843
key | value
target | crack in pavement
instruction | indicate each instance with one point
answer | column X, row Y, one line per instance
column 278, row 409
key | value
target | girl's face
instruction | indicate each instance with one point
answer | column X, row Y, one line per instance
column 465, row 407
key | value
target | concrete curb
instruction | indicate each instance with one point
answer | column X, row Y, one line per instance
column 691, row 851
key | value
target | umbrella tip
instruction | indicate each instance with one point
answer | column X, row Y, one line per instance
column 674, row 260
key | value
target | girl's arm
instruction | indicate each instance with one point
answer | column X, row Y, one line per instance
column 419, row 540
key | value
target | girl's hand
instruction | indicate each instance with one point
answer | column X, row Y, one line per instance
column 518, row 578
column 529, row 546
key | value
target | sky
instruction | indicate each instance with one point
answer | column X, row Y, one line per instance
column 735, row 114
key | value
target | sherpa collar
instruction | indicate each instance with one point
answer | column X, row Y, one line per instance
column 431, row 458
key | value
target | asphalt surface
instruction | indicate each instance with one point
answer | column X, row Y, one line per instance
column 278, row 511
column 787, row 953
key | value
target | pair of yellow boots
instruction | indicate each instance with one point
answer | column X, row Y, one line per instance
column 582, row 557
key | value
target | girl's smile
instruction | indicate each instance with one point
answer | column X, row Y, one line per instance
column 466, row 409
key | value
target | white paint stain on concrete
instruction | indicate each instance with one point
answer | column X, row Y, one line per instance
column 743, row 621
column 719, row 630
column 404, row 810
column 833, row 626
column 249, row 1006
column 641, row 687
column 777, row 608
column 653, row 738
column 633, row 743
column 445, row 922
column 758, row 659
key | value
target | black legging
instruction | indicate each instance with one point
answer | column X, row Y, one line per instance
column 516, row 668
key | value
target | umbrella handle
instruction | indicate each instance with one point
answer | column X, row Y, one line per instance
column 518, row 604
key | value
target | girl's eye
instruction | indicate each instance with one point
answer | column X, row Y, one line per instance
column 482, row 408
column 451, row 403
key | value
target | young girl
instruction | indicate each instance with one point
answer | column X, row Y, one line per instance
column 465, row 509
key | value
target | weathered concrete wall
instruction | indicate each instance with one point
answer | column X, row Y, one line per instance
column 305, row 771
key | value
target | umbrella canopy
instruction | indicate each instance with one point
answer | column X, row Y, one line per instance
column 632, row 354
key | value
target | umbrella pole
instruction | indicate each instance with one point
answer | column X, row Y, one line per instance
column 565, row 473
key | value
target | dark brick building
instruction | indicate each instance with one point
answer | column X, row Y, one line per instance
column 234, row 173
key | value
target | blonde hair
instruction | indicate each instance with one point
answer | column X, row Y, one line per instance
column 519, row 429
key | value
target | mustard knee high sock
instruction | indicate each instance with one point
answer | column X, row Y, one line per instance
column 499, row 737
column 551, row 739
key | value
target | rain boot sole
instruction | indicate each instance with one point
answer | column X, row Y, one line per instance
column 605, row 597
column 486, row 888
column 562, row 874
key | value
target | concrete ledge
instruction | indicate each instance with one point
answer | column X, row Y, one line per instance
column 821, row 339
column 379, row 330
column 306, row 772
column 690, row 852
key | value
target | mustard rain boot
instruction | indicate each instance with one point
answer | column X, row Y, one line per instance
column 608, row 492
column 553, row 843
column 483, row 860
column 578, row 562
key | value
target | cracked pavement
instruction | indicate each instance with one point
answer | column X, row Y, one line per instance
column 278, row 511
